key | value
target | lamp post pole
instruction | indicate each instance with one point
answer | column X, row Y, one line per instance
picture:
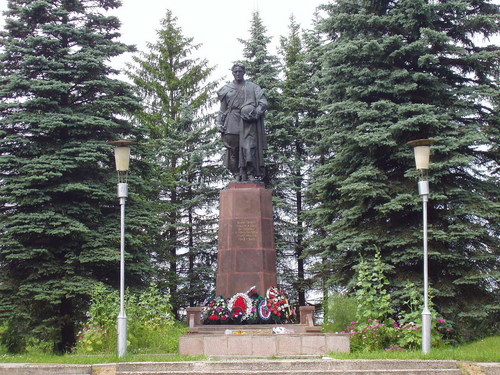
column 423, row 189
column 422, row 155
column 122, row 158
column 122, row 316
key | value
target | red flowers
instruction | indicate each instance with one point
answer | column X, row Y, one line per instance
column 252, row 309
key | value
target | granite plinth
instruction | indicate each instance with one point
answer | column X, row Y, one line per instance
column 250, row 344
column 246, row 254
column 259, row 340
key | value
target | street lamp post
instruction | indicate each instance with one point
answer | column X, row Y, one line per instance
column 122, row 159
column 421, row 148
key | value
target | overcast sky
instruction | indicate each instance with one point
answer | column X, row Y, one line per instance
column 216, row 24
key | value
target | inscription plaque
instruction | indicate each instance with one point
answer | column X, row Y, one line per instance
column 246, row 230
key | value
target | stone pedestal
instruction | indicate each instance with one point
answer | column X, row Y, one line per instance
column 248, row 344
column 260, row 340
column 247, row 255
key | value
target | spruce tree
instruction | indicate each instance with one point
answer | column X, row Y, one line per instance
column 393, row 72
column 261, row 65
column 290, row 148
column 177, row 93
column 309, row 89
column 59, row 224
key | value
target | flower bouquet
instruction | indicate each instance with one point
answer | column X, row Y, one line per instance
column 249, row 308
column 215, row 311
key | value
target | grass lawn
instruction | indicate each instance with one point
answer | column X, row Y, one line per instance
column 485, row 350
column 93, row 359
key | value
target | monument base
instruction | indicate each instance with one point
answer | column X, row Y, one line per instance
column 260, row 344
column 260, row 340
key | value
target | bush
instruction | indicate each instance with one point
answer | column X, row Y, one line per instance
column 96, row 339
column 341, row 311
column 377, row 327
column 374, row 299
column 371, row 336
column 151, row 326
column 3, row 347
column 393, row 335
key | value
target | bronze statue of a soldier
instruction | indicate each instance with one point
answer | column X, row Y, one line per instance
column 241, row 123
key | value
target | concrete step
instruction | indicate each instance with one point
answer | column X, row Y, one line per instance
column 325, row 366
column 292, row 367
column 330, row 372
column 44, row 369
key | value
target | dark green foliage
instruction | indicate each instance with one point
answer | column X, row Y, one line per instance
column 58, row 214
column 261, row 65
column 340, row 313
column 176, row 94
column 393, row 72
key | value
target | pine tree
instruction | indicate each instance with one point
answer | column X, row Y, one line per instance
column 393, row 72
column 59, row 220
column 177, row 94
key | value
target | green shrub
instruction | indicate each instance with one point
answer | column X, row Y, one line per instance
column 3, row 347
column 96, row 339
column 341, row 311
column 150, row 323
column 37, row 346
column 371, row 336
column 377, row 328
column 374, row 299
column 390, row 335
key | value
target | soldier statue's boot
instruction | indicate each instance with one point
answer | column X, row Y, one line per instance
column 243, row 174
column 250, row 172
